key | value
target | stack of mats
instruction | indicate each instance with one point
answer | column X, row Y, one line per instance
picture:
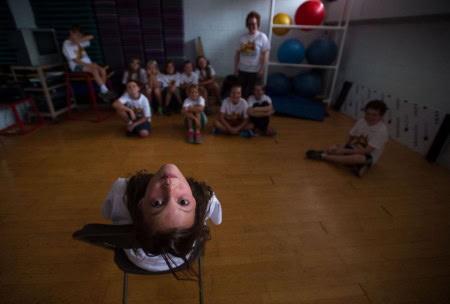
column 173, row 29
column 109, row 33
column 130, row 29
column 152, row 31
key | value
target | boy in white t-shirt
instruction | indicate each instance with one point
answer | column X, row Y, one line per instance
column 365, row 143
column 233, row 117
column 194, row 118
column 79, row 61
column 260, row 109
column 134, row 108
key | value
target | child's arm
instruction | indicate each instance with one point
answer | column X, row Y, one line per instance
column 196, row 109
column 121, row 107
column 261, row 111
column 225, row 122
column 137, row 123
column 86, row 38
column 242, row 125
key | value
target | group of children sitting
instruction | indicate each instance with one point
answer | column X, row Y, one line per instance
column 170, row 91
column 188, row 93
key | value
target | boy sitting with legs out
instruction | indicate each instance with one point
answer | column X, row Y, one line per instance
column 79, row 61
column 365, row 143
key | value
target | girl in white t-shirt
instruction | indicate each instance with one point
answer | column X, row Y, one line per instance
column 171, row 83
column 194, row 118
column 207, row 78
column 169, row 213
column 154, row 80
column 135, row 72
column 187, row 78
column 233, row 117
column 134, row 108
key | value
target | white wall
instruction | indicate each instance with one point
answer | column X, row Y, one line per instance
column 409, row 60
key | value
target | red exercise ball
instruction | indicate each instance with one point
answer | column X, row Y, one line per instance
column 310, row 13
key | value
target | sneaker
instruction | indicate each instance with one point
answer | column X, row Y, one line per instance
column 190, row 136
column 313, row 154
column 108, row 96
column 197, row 138
column 246, row 133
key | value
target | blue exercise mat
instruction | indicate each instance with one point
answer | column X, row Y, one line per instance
column 297, row 106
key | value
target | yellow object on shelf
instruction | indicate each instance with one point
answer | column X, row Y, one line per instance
column 283, row 19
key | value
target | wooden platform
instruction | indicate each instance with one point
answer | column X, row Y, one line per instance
column 294, row 230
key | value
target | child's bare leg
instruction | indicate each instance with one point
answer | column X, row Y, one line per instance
column 349, row 159
column 169, row 94
column 217, row 124
column 248, row 126
column 158, row 96
column 102, row 72
column 91, row 68
column 336, row 150
column 123, row 114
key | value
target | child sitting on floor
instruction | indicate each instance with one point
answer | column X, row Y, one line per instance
column 135, row 72
column 260, row 109
column 194, row 118
column 134, row 108
column 233, row 117
column 207, row 78
column 365, row 142
column 79, row 61
column 187, row 78
column 154, row 80
column 171, row 83
column 169, row 212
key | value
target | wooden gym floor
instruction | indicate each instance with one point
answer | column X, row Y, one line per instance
column 293, row 231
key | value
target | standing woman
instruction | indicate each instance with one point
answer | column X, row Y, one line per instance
column 252, row 54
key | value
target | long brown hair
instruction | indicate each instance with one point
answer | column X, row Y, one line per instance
column 207, row 68
column 176, row 242
column 138, row 72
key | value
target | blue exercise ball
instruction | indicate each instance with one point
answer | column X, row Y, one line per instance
column 278, row 84
column 307, row 84
column 291, row 51
column 322, row 51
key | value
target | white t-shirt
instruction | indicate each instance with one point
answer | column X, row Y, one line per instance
column 74, row 51
column 115, row 209
column 166, row 79
column 375, row 136
column 193, row 79
column 202, row 74
column 134, row 76
column 194, row 103
column 234, row 111
column 251, row 48
column 140, row 106
column 252, row 100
